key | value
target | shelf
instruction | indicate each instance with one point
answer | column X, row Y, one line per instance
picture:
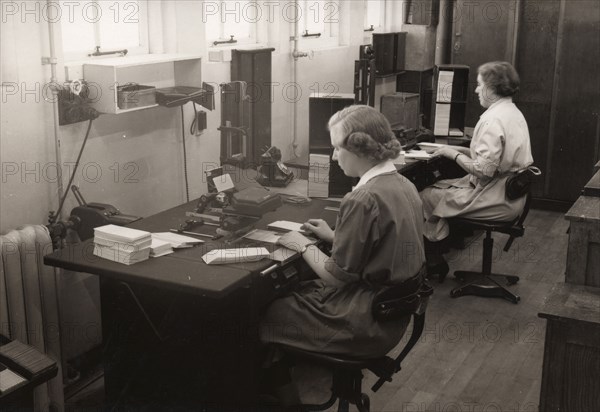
column 381, row 76
column 159, row 70
column 134, row 109
column 141, row 60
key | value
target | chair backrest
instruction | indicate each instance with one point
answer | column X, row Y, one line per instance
column 518, row 186
column 393, row 308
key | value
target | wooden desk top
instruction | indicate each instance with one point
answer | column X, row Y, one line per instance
column 585, row 209
column 184, row 270
column 572, row 302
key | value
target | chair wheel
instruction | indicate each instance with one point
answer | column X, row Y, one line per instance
column 511, row 282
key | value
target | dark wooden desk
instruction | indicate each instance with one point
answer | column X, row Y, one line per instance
column 583, row 254
column 421, row 173
column 570, row 373
column 178, row 332
column 592, row 187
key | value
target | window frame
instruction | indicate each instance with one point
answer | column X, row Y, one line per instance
column 381, row 26
column 142, row 48
column 330, row 37
column 252, row 38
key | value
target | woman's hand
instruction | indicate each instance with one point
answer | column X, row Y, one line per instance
column 320, row 228
column 446, row 151
column 295, row 241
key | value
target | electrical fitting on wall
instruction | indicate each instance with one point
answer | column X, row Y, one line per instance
column 73, row 103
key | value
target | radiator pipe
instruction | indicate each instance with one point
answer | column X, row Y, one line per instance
column 54, row 87
column 54, row 83
column 296, row 54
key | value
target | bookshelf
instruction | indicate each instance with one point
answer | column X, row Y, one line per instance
column 451, row 85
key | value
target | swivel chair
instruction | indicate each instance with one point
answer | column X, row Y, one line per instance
column 347, row 372
column 486, row 283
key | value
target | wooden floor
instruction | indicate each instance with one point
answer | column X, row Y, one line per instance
column 476, row 354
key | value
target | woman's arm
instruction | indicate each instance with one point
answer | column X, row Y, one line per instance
column 461, row 149
column 311, row 254
column 462, row 159
column 317, row 260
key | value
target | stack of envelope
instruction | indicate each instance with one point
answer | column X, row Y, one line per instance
column 122, row 244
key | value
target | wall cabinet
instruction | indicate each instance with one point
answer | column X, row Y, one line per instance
column 159, row 70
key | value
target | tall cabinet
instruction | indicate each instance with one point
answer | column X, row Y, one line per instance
column 555, row 47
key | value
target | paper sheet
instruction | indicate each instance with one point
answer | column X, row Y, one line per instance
column 240, row 255
column 265, row 236
column 286, row 226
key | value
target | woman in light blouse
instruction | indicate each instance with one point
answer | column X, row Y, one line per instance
column 499, row 148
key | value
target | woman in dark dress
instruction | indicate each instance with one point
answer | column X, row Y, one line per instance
column 377, row 243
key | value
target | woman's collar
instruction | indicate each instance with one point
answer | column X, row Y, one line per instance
column 498, row 102
column 387, row 166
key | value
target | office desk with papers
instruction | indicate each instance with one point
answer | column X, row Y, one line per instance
column 178, row 332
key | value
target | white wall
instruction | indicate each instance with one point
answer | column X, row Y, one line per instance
column 134, row 161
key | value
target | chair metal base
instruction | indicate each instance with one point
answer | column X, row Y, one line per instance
column 347, row 388
column 477, row 284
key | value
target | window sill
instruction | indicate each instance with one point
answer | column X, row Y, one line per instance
column 220, row 54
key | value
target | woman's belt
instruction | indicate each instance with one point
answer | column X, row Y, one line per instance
column 403, row 299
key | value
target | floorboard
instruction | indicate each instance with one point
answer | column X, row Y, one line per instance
column 476, row 354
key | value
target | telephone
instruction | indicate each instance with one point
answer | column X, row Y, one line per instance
column 272, row 171
column 74, row 108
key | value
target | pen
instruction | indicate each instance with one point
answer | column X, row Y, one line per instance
column 192, row 233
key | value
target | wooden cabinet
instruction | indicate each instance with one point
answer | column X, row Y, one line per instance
column 254, row 67
column 420, row 82
column 159, row 70
column 555, row 47
column 570, row 378
column 321, row 107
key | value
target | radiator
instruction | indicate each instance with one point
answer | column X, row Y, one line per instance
column 28, row 303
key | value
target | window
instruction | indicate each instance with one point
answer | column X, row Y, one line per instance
column 225, row 19
column 108, row 24
column 318, row 22
column 374, row 12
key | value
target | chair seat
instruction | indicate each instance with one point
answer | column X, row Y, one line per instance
column 340, row 361
column 507, row 227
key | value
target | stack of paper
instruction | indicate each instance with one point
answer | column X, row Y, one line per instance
column 400, row 159
column 418, row 155
column 176, row 240
column 455, row 132
column 122, row 244
column 245, row 254
column 160, row 247
column 286, row 226
column 442, row 119
column 318, row 175
column 444, row 86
